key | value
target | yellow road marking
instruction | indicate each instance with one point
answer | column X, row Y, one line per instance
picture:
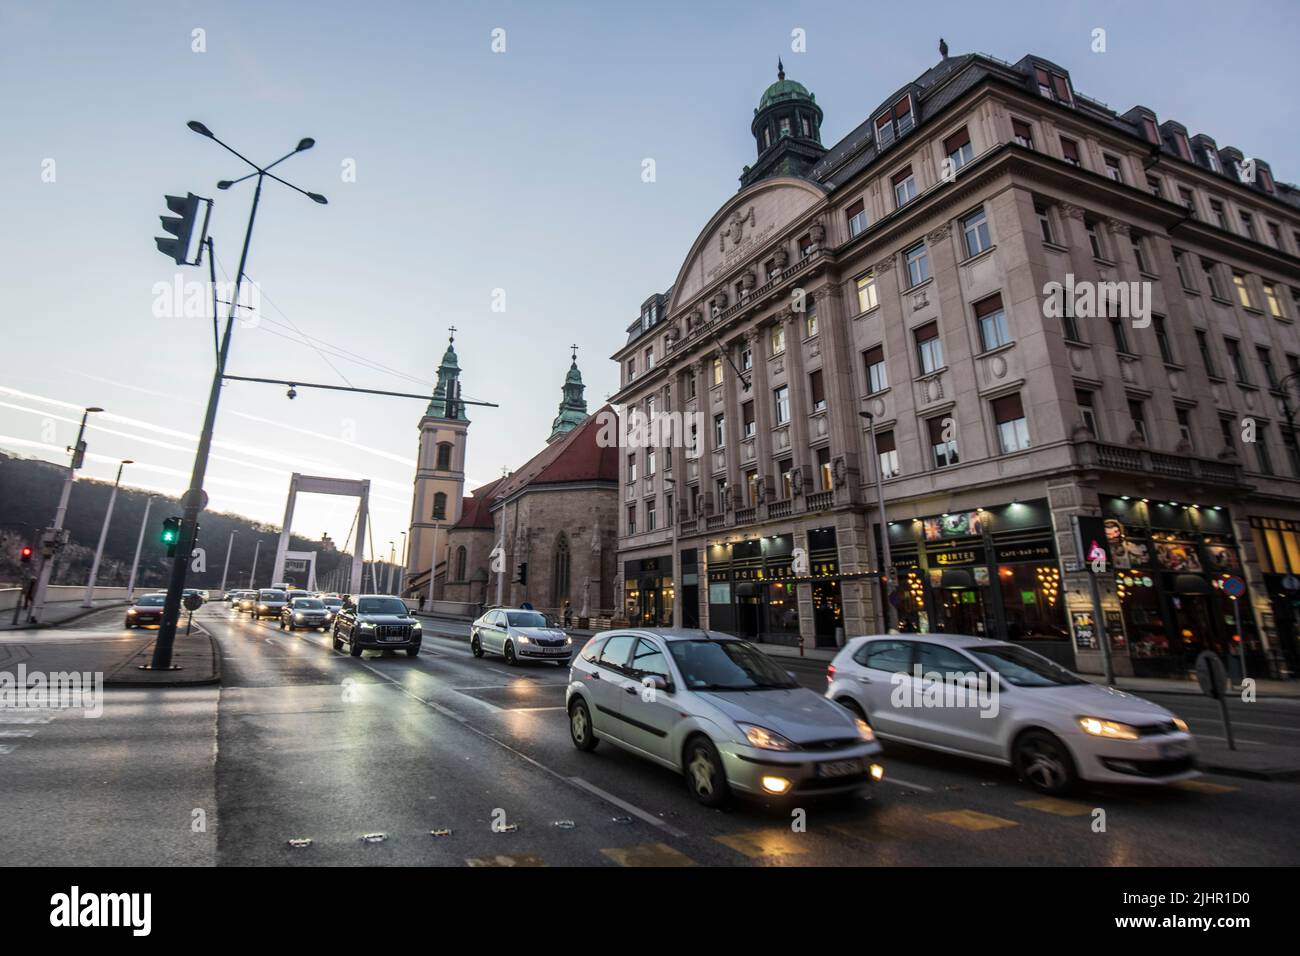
column 1203, row 786
column 971, row 820
column 648, row 854
column 1062, row 808
column 757, row 844
column 524, row 859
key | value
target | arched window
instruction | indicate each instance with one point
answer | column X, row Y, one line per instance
column 444, row 457
column 461, row 557
column 440, row 506
column 560, row 571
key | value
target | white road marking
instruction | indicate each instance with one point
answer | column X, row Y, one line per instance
column 903, row 783
column 7, row 749
column 628, row 807
column 17, row 733
column 531, row 710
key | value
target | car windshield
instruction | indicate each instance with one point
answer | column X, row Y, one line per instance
column 310, row 604
column 526, row 619
column 1022, row 668
column 272, row 595
column 727, row 665
column 152, row 600
column 381, row 605
column 332, row 602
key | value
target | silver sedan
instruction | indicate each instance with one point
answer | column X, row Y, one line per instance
column 717, row 710
column 519, row 635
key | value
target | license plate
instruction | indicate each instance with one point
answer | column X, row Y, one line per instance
column 393, row 638
column 839, row 768
column 557, row 651
column 1178, row 749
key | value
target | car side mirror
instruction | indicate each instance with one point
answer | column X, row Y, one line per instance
column 658, row 682
column 791, row 675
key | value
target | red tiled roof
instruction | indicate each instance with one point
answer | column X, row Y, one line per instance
column 474, row 508
column 577, row 456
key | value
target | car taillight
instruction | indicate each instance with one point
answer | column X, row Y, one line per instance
column 830, row 673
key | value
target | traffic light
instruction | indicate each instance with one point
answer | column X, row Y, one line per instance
column 522, row 577
column 25, row 555
column 181, row 226
column 171, row 534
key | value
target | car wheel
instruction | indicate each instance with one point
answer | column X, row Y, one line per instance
column 354, row 648
column 282, row 624
column 476, row 646
column 704, row 774
column 852, row 706
column 413, row 651
column 335, row 642
column 510, row 654
column 562, row 663
column 129, row 624
column 1042, row 761
column 580, row 727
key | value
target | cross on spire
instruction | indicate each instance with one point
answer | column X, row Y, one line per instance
column 575, row 353
column 452, row 330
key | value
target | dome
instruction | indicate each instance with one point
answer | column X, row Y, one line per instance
column 783, row 90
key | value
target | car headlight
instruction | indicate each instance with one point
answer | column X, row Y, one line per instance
column 1111, row 729
column 765, row 739
column 417, row 626
column 297, row 615
column 568, row 640
column 864, row 729
column 523, row 639
column 261, row 607
column 132, row 611
column 1181, row 725
column 367, row 627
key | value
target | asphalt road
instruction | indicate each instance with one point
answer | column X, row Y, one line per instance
column 303, row 743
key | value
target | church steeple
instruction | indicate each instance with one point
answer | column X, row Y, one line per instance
column 573, row 406
column 446, row 395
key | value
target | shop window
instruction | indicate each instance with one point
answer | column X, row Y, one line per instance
column 1032, row 601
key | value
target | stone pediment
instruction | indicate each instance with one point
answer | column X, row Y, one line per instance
column 743, row 227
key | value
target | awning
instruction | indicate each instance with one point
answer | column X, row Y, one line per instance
column 957, row 578
column 1191, row 584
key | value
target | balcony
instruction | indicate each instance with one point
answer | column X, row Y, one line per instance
column 713, row 522
column 820, row 501
column 780, row 509
column 1094, row 454
column 745, row 515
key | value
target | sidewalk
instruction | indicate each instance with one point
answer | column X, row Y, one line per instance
column 1264, row 687
column 60, row 650
column 56, row 615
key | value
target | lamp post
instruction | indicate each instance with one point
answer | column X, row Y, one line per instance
column 886, row 569
column 139, row 543
column 54, row 543
column 401, row 571
column 195, row 499
column 672, row 522
column 253, row 572
column 433, row 566
column 226, row 569
column 89, row 600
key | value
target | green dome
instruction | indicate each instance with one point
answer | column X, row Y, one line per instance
column 783, row 90
column 574, row 377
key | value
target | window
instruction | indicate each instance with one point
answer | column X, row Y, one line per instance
column 1139, row 253
column 631, row 369
column 751, row 487
column 867, row 292
column 1087, row 413
column 992, row 319
column 975, row 231
column 784, row 127
column 958, row 149
column 1207, row 360
column 631, row 521
column 1237, row 361
column 1052, row 85
column 1272, row 301
column 1180, row 262
column 887, row 455
column 440, row 506
column 690, row 385
column 1180, row 144
column 1186, row 198
column 444, row 457
column 810, row 319
column 1154, row 187
column 462, row 559
column 717, row 370
column 778, row 338
column 894, row 122
column 1227, row 433
column 649, row 462
column 1248, row 226
column 1162, row 340
column 719, row 431
column 648, row 661
column 720, row 493
column 1023, row 133
column 1275, row 235
column 1266, row 362
column 904, row 186
column 943, row 450
column 786, row 470
column 1218, row 215
column 1149, row 130
column 649, row 358
column 1292, row 450
column 918, row 264
column 1013, row 431
column 856, row 215
column 631, row 468
column 747, row 419
column 1094, row 239
column 1070, row 150
column 877, row 373
column 781, row 404
column 928, row 348
column 1044, row 222
column 1112, row 167
column 1262, row 454
column 1243, row 291
column 817, row 391
column 650, row 515
column 1120, row 336
column 1211, row 158
column 1138, row 416
column 1184, row 428
column 824, row 468
column 806, row 246
column 746, row 357
column 1208, row 270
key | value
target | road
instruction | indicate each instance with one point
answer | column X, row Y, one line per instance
column 368, row 758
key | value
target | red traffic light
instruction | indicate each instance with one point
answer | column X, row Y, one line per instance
column 25, row 553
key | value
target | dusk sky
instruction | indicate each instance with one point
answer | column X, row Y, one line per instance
column 475, row 171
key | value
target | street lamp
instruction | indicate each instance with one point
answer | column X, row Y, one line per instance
column 672, row 522
column 195, row 499
column 89, row 600
column 54, row 542
column 229, row 544
column 886, row 561
column 139, row 543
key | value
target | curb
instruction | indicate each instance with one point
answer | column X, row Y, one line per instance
column 215, row 677
column 1228, row 771
column 46, row 626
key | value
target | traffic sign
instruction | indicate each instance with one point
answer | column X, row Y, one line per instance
column 1234, row 586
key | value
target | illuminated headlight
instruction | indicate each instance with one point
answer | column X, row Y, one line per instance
column 367, row 627
column 523, row 639
column 261, row 607
column 776, row 784
column 417, row 626
column 1181, row 725
column 1097, row 727
column 132, row 611
column 877, row 772
column 568, row 640
column 297, row 615
column 765, row 739
column 864, row 729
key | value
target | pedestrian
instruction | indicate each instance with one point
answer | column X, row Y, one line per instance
column 568, row 614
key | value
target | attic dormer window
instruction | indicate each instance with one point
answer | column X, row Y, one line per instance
column 1054, row 86
column 1180, row 142
column 1211, row 158
column 1150, row 131
column 894, row 122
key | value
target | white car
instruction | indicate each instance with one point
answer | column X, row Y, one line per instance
column 1000, row 702
column 519, row 635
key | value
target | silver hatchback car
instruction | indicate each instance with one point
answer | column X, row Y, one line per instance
column 716, row 709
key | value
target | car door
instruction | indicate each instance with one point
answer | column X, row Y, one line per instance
column 955, row 696
column 496, row 633
column 606, row 684
column 885, row 682
column 649, row 714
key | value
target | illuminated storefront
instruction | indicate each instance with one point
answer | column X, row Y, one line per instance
column 1277, row 545
column 648, row 592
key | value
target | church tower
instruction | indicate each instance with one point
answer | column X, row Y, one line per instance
column 440, row 468
column 787, row 130
column 573, row 407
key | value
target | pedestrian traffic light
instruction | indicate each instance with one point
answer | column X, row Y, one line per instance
column 25, row 555
column 171, row 534
column 181, row 226
column 522, row 577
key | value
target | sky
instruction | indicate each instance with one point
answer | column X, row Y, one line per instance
column 460, row 178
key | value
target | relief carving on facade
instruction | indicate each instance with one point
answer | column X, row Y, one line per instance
column 735, row 229
column 939, row 233
column 1070, row 211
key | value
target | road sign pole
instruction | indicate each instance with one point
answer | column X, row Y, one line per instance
column 1236, row 607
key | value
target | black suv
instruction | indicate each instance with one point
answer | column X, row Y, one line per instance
column 378, row 621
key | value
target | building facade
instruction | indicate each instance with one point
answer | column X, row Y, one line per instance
column 1020, row 306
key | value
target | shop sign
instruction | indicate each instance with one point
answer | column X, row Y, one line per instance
column 1085, row 630
column 1025, row 552
column 1178, row 556
column 957, row 558
column 963, row 524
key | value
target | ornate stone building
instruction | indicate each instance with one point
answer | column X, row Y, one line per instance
column 910, row 283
